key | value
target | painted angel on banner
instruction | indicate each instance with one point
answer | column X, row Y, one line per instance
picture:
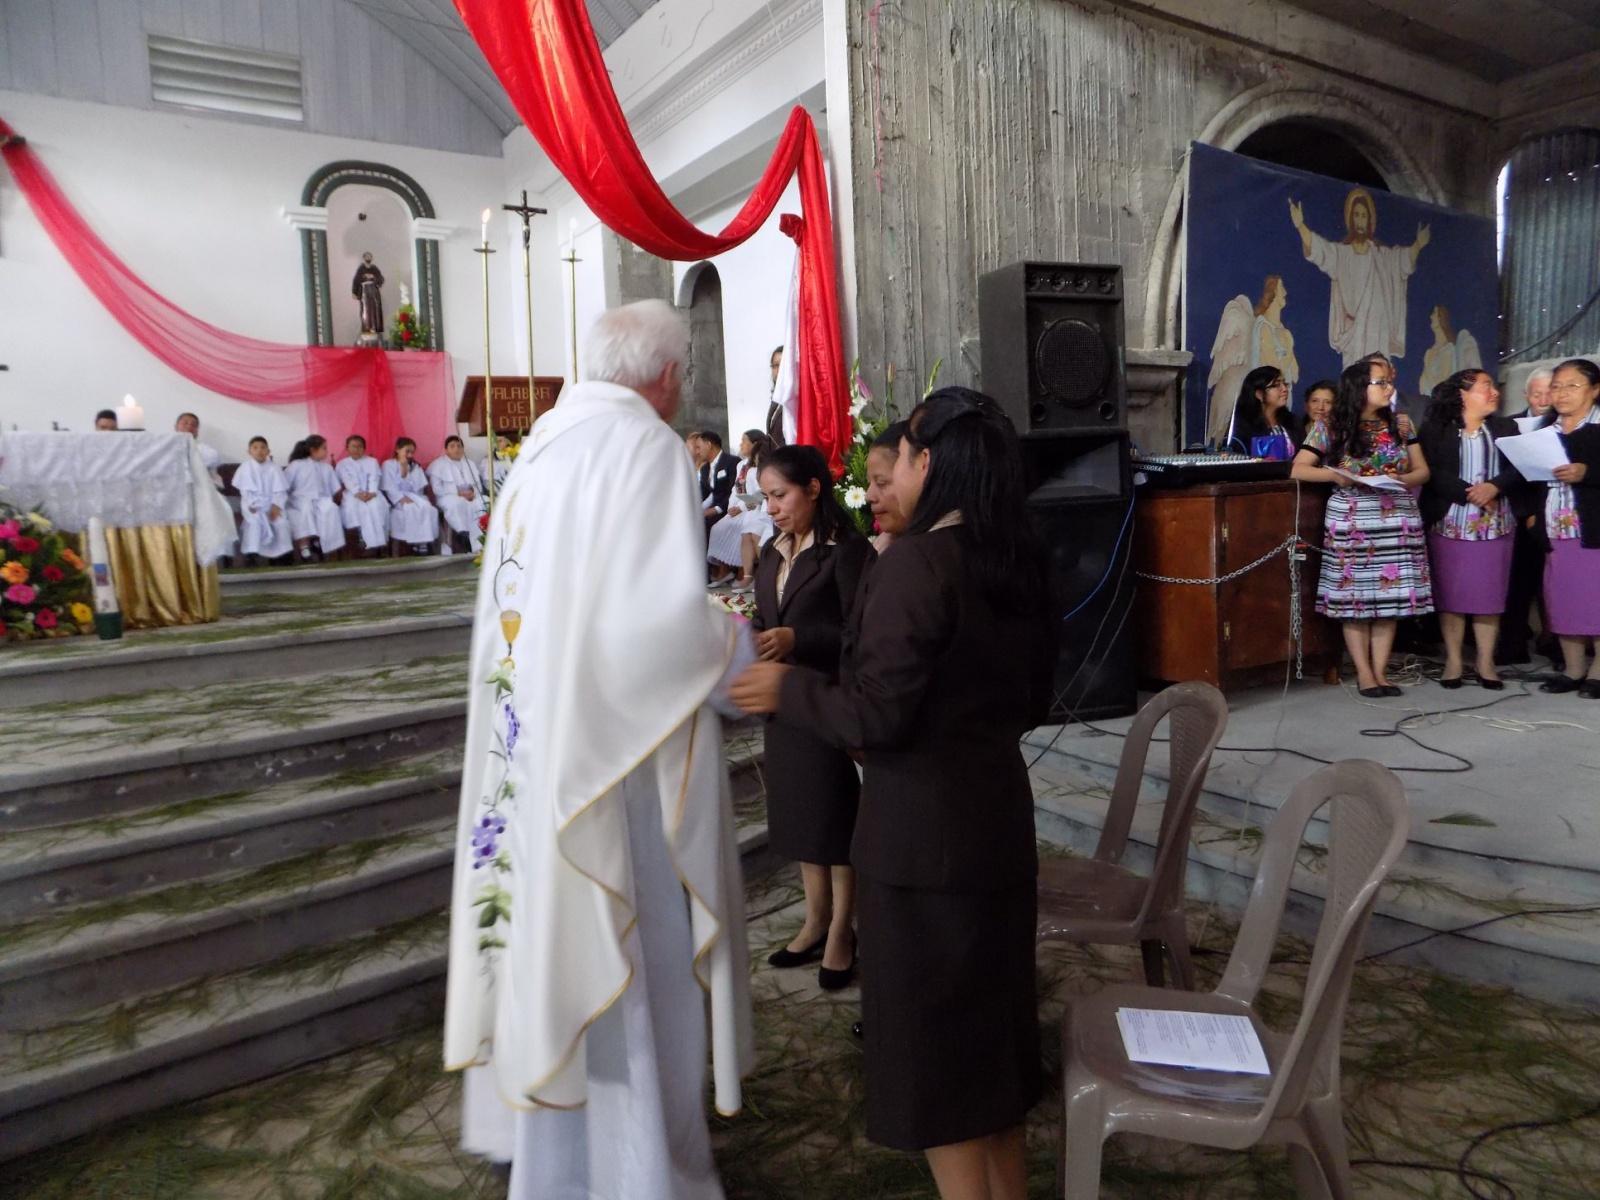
column 1248, row 336
column 1450, row 352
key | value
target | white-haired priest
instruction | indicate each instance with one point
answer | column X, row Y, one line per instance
column 598, row 907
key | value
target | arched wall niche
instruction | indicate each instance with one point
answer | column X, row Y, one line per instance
column 314, row 247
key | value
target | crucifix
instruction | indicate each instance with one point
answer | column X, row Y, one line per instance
column 527, row 212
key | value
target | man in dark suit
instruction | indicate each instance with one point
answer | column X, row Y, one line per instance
column 718, row 471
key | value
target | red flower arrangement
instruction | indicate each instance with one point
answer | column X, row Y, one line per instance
column 45, row 591
column 408, row 332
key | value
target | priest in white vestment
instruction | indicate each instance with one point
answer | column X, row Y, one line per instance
column 598, row 908
column 1367, row 305
column 364, row 506
column 458, row 490
column 263, row 497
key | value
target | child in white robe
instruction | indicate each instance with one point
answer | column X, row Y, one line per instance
column 364, row 506
column 313, row 511
column 263, row 495
column 413, row 520
column 501, row 466
column 458, row 491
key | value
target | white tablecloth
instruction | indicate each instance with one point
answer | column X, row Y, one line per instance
column 126, row 479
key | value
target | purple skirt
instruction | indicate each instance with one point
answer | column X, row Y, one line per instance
column 1571, row 585
column 1470, row 577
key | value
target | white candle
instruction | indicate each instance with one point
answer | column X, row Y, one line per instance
column 572, row 238
column 130, row 415
column 486, row 215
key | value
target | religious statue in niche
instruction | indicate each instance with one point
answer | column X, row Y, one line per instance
column 1367, row 309
column 366, row 289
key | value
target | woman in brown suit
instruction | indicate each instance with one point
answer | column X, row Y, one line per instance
column 805, row 586
column 953, row 666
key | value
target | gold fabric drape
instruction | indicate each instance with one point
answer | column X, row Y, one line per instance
column 157, row 579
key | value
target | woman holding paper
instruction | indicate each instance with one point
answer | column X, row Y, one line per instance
column 1571, row 522
column 1468, row 508
column 1375, row 560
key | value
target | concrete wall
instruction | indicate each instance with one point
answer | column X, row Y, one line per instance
column 195, row 207
column 987, row 133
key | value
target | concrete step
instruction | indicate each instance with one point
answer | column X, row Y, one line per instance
column 75, row 763
column 318, row 578
column 52, row 869
column 217, row 1033
column 95, row 954
column 106, row 669
column 1554, row 956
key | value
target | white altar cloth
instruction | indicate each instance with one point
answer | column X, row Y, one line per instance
column 127, row 480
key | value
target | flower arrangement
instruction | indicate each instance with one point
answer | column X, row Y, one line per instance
column 740, row 604
column 43, row 588
column 851, row 487
column 409, row 331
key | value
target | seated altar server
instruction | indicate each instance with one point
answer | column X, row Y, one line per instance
column 190, row 424
column 501, row 464
column 413, row 519
column 313, row 507
column 364, row 506
column 458, row 491
column 597, row 914
column 263, row 496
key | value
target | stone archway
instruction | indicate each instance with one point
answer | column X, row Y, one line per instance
column 705, row 401
column 1341, row 110
column 311, row 219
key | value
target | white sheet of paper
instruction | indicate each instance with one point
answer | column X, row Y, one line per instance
column 1201, row 1041
column 1536, row 455
column 1384, row 483
column 1527, row 424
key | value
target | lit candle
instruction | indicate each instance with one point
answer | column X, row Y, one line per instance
column 130, row 415
column 487, row 213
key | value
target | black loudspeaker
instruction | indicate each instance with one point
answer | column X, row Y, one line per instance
column 1087, row 546
column 1053, row 346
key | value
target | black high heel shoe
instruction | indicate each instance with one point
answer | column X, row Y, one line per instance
column 830, row 980
column 1450, row 684
column 798, row 958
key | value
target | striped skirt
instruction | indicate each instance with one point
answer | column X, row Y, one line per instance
column 1375, row 559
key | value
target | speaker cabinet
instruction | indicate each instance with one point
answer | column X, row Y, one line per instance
column 1053, row 346
column 1087, row 546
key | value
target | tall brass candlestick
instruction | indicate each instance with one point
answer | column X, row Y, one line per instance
column 488, row 375
column 527, row 212
column 572, row 260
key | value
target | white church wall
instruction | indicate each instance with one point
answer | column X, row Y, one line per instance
column 194, row 207
column 707, row 89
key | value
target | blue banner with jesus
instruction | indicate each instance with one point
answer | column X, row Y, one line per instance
column 1311, row 274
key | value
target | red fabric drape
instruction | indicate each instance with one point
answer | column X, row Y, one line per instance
column 547, row 58
column 366, row 391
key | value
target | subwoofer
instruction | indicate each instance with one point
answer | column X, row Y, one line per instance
column 1088, row 543
column 1052, row 340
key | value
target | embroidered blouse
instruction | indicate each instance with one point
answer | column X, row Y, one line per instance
column 1480, row 461
column 1560, row 506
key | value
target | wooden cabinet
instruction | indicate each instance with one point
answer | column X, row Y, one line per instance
column 1234, row 634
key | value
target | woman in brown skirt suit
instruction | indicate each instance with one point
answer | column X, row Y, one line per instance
column 953, row 666
column 805, row 584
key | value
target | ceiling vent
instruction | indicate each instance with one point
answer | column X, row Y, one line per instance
column 226, row 79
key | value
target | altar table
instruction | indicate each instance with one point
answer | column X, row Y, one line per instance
column 166, row 524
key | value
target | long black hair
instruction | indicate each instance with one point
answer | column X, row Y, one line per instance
column 799, row 465
column 1446, row 406
column 303, row 449
column 1346, row 438
column 975, row 468
column 1250, row 408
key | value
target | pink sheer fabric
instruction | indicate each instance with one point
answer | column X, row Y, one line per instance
column 377, row 394
column 546, row 56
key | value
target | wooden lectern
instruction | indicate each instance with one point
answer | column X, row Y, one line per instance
column 513, row 414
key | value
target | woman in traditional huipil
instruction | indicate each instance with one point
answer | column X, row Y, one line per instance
column 1570, row 518
column 1470, row 507
column 1375, row 555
